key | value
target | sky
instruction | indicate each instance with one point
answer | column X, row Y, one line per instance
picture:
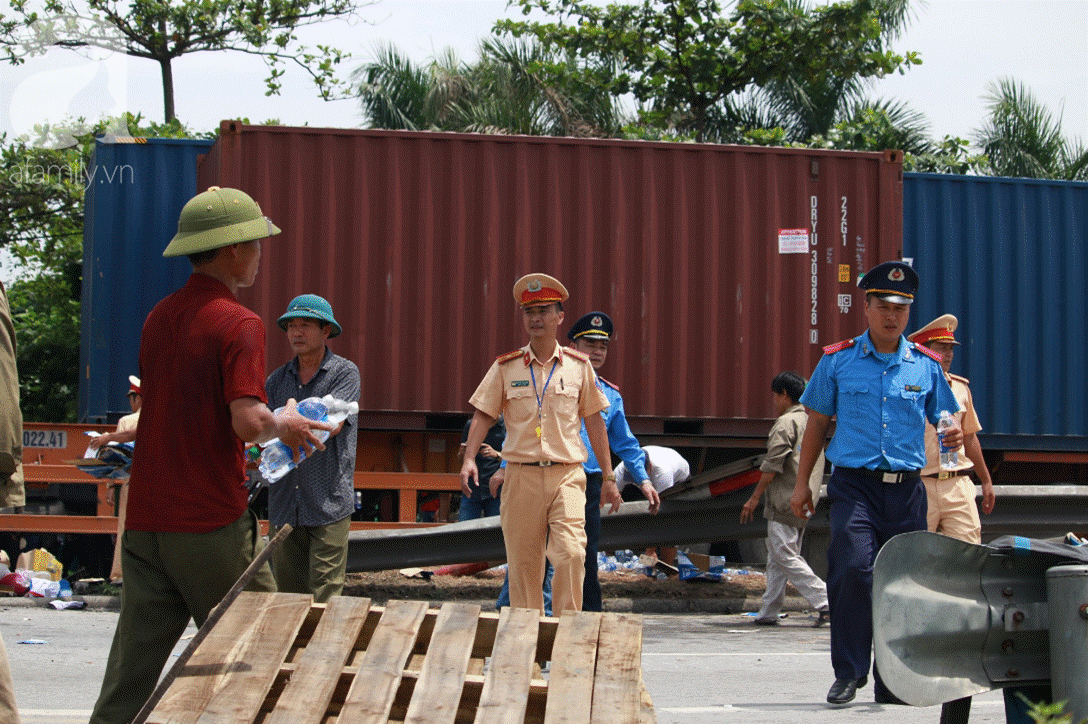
column 965, row 45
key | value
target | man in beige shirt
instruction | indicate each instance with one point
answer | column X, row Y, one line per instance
column 544, row 392
column 785, row 530
column 950, row 494
column 125, row 432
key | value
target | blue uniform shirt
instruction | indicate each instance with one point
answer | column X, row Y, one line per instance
column 881, row 403
column 620, row 438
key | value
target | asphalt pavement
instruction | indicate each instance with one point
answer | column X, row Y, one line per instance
column 699, row 669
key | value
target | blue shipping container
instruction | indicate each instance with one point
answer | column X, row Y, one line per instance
column 134, row 194
column 1008, row 258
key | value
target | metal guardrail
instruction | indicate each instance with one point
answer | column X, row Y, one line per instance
column 1033, row 511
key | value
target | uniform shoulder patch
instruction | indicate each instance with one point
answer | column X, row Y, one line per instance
column 839, row 346
column 928, row 353
column 576, row 354
column 613, row 386
column 962, row 379
column 509, row 356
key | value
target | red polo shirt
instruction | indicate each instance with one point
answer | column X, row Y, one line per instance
column 200, row 350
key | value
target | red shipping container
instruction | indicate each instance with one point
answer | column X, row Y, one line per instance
column 720, row 265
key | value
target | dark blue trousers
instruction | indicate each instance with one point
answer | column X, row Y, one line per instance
column 865, row 514
column 591, row 586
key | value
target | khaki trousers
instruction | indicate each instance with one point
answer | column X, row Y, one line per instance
column 952, row 510
column 543, row 513
column 169, row 578
column 9, row 712
column 312, row 559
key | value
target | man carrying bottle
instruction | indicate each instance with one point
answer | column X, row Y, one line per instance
column 317, row 498
column 189, row 535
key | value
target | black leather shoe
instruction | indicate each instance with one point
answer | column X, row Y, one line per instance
column 886, row 697
column 843, row 691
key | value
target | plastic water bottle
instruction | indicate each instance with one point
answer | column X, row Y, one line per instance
column 949, row 458
column 276, row 458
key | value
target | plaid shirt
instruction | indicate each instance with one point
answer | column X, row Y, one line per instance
column 320, row 491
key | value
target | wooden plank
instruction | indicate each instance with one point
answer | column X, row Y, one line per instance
column 570, row 685
column 229, row 675
column 616, row 683
column 506, row 686
column 437, row 693
column 378, row 675
column 489, row 625
column 646, row 714
column 306, row 698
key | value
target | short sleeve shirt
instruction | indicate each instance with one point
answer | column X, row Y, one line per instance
column 199, row 351
column 881, row 404
column 553, row 394
column 321, row 490
column 621, row 440
column 667, row 468
column 968, row 420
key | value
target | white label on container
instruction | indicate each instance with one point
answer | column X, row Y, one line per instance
column 53, row 439
column 793, row 241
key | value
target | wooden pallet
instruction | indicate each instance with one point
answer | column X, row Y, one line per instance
column 279, row 658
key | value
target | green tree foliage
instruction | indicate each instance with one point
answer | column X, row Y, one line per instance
column 509, row 90
column 1023, row 138
column 41, row 229
column 686, row 61
column 809, row 106
column 162, row 30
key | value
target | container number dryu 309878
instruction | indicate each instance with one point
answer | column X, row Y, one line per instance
column 45, row 438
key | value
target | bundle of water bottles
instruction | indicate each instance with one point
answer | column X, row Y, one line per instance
column 277, row 459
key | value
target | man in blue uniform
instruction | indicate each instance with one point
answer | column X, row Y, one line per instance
column 591, row 336
column 882, row 389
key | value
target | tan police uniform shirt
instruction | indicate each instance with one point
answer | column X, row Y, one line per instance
column 128, row 422
column 513, row 385
column 968, row 421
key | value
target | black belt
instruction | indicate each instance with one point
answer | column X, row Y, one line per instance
column 949, row 474
column 542, row 463
column 885, row 476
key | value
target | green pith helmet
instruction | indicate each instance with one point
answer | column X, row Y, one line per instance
column 310, row 306
column 218, row 217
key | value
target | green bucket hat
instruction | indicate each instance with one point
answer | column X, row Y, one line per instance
column 310, row 306
column 218, row 217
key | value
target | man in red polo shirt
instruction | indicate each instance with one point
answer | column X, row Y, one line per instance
column 189, row 533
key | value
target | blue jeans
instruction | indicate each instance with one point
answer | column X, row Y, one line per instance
column 471, row 509
column 504, row 594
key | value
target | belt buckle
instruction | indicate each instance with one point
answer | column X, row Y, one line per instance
column 545, row 463
column 946, row 474
column 892, row 477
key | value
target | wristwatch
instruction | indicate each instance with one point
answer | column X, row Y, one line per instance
column 611, row 477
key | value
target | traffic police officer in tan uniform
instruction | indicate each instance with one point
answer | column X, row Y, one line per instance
column 544, row 391
column 951, row 493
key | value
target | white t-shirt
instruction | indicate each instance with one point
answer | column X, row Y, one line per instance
column 666, row 468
